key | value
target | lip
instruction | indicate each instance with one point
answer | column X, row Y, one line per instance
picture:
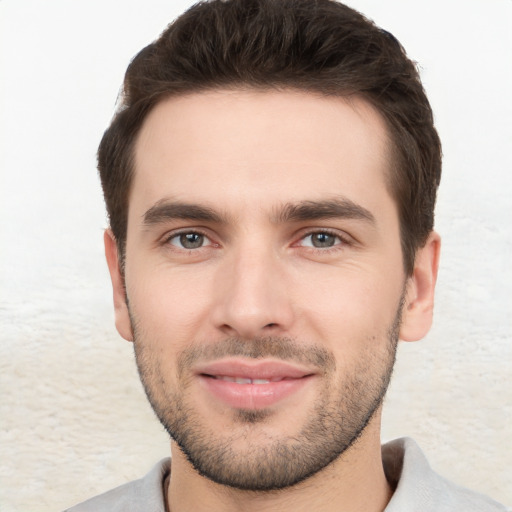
column 243, row 384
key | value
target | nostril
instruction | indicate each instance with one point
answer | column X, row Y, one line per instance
column 271, row 325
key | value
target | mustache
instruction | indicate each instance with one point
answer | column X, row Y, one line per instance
column 274, row 347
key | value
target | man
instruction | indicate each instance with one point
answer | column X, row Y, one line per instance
column 270, row 179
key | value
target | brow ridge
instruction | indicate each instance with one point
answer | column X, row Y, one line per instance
column 171, row 210
column 301, row 211
column 340, row 207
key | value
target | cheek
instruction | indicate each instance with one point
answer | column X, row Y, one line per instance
column 349, row 310
column 168, row 305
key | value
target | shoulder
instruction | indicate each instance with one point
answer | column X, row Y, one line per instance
column 418, row 487
column 143, row 495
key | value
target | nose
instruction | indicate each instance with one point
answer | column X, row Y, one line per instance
column 251, row 297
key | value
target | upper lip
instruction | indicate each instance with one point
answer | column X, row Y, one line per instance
column 253, row 369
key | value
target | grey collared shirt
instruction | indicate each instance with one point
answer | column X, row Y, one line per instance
column 417, row 488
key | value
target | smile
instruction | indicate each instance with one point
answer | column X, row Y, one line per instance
column 247, row 384
column 245, row 380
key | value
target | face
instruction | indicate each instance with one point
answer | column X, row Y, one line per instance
column 264, row 279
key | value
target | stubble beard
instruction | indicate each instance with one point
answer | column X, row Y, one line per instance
column 339, row 417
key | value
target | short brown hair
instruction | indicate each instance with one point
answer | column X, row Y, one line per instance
column 321, row 46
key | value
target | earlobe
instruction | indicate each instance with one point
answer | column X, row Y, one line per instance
column 123, row 323
column 419, row 300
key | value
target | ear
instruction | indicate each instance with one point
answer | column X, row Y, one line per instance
column 419, row 299
column 123, row 323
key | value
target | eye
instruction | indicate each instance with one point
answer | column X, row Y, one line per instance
column 189, row 240
column 321, row 240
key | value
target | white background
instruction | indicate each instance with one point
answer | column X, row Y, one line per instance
column 73, row 419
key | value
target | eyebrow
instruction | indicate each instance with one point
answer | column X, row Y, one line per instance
column 302, row 211
column 169, row 210
column 339, row 207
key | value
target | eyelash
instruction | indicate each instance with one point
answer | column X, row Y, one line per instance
column 342, row 241
column 167, row 239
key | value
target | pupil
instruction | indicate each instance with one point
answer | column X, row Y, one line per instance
column 191, row 240
column 323, row 240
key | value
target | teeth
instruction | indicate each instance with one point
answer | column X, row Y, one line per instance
column 242, row 380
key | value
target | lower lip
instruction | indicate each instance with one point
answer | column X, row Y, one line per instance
column 252, row 396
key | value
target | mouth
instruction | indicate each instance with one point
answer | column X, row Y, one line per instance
column 245, row 380
column 242, row 384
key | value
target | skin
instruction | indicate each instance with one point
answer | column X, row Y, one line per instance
column 245, row 155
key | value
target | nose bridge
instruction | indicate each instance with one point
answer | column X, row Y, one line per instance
column 252, row 297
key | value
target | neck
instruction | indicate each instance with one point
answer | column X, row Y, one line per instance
column 354, row 482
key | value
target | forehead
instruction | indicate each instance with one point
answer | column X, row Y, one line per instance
column 244, row 148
